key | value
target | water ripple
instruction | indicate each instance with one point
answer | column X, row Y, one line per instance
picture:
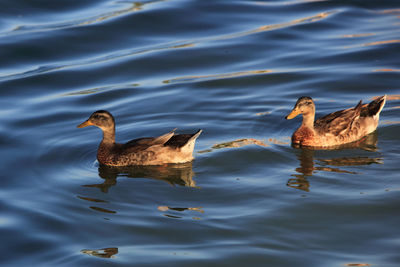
column 128, row 53
column 86, row 21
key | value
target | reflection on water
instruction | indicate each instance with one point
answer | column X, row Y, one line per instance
column 239, row 143
column 356, row 161
column 357, row 35
column 357, row 264
column 92, row 199
column 98, row 18
column 103, row 210
column 101, row 253
column 394, row 41
column 386, row 70
column 382, row 42
column 307, row 168
column 245, row 142
column 175, row 210
column 174, row 174
column 294, row 2
column 271, row 27
column 388, row 97
column 217, row 76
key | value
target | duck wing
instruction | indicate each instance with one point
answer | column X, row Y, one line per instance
column 339, row 122
column 169, row 139
column 150, row 141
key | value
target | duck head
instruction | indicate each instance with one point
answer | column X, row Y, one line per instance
column 102, row 119
column 305, row 106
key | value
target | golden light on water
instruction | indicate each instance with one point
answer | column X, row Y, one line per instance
column 314, row 18
column 357, row 264
column 217, row 76
column 394, row 41
column 287, row 3
column 387, row 70
column 382, row 42
column 263, row 113
column 388, row 97
column 390, row 122
column 357, row 35
column 390, row 11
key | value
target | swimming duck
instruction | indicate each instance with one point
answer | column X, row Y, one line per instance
column 167, row 148
column 337, row 128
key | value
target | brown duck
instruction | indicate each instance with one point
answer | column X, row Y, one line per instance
column 338, row 128
column 167, row 148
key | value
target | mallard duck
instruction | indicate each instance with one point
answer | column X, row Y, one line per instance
column 167, row 148
column 335, row 129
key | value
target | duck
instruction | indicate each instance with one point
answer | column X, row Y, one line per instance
column 164, row 149
column 337, row 128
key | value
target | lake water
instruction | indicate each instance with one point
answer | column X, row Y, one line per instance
column 231, row 68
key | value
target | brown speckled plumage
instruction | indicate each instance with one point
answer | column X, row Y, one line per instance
column 337, row 128
column 167, row 148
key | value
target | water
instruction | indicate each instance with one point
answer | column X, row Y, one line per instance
column 231, row 68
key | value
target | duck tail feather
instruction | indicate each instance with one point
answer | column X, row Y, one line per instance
column 190, row 142
column 376, row 106
column 194, row 137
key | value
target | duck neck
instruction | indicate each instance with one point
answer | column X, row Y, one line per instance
column 109, row 136
column 308, row 120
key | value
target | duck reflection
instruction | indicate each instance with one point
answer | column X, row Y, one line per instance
column 307, row 163
column 101, row 253
column 174, row 174
column 177, row 210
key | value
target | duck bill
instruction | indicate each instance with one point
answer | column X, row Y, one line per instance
column 293, row 114
column 84, row 124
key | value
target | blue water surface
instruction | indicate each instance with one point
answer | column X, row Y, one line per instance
column 235, row 70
